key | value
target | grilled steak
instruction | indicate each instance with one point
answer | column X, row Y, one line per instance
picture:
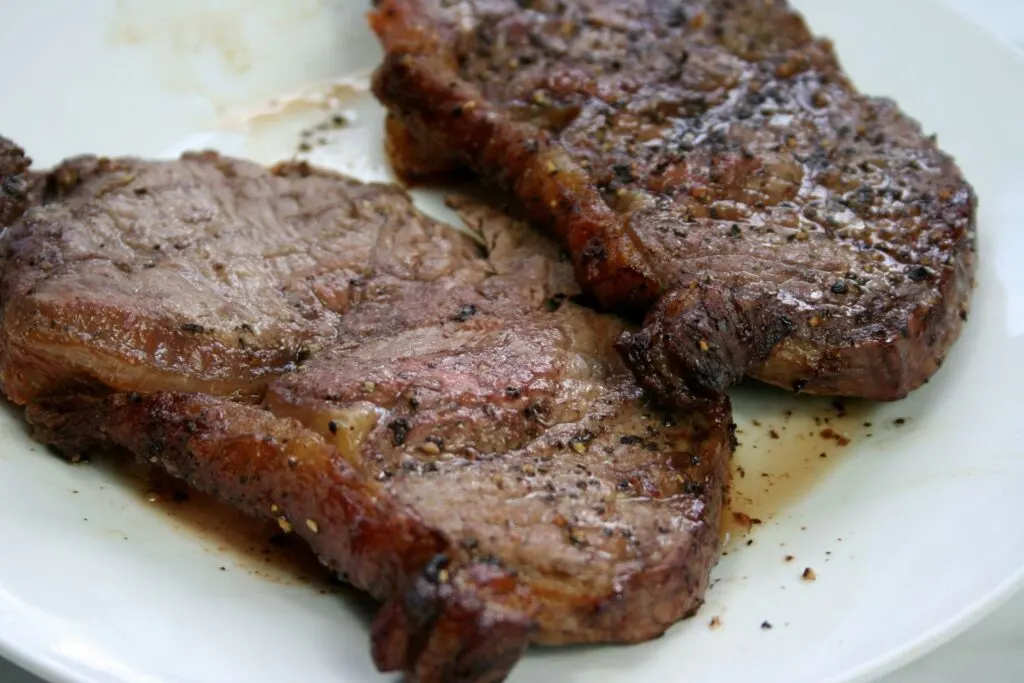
column 13, row 184
column 706, row 162
column 437, row 418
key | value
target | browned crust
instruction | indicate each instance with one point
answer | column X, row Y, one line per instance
column 14, row 187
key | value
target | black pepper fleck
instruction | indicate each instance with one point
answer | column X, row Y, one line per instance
column 465, row 313
column 399, row 429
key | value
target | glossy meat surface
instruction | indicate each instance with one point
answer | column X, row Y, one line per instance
column 461, row 440
column 707, row 163
column 204, row 274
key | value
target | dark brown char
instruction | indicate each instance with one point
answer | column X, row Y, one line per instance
column 14, row 186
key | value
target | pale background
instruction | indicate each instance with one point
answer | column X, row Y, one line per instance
column 993, row 651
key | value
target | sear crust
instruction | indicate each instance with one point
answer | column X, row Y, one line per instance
column 707, row 163
column 461, row 440
column 14, row 186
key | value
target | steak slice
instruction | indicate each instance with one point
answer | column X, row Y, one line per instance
column 207, row 274
column 706, row 163
column 461, row 440
column 14, row 187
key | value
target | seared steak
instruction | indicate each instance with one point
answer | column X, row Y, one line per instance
column 13, row 184
column 432, row 413
column 706, row 162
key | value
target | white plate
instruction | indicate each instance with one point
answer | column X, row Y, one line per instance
column 98, row 585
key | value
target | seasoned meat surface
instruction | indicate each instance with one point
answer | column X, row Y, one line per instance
column 14, row 187
column 708, row 163
column 205, row 274
column 461, row 439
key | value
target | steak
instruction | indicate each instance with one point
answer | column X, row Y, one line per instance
column 429, row 410
column 708, row 164
column 14, row 187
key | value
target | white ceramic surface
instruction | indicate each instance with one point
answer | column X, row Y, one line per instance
column 98, row 586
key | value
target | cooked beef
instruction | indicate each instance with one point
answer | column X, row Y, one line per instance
column 208, row 274
column 460, row 440
column 13, row 184
column 706, row 163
